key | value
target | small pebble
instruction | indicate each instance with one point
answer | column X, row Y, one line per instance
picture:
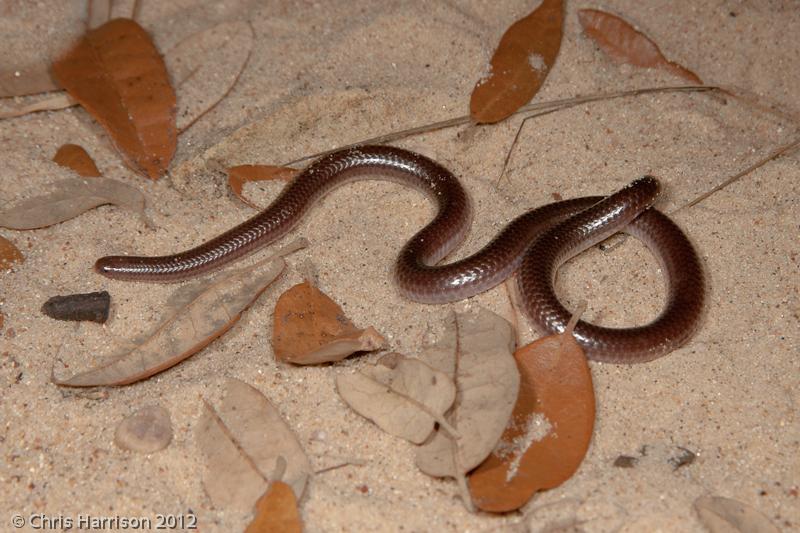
column 146, row 431
column 92, row 306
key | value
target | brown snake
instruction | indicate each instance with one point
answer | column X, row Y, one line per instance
column 534, row 244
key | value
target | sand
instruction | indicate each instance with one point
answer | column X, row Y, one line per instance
column 325, row 74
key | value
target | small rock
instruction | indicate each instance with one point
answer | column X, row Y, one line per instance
column 146, row 431
column 92, row 306
column 625, row 461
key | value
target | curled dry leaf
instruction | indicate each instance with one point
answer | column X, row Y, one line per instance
column 310, row 328
column 550, row 428
column 403, row 396
column 276, row 511
column 487, row 381
column 196, row 315
column 238, row 176
column 117, row 75
column 520, row 64
column 76, row 158
column 206, row 66
column 148, row 430
column 624, row 43
column 49, row 103
column 70, row 198
column 724, row 515
column 242, row 440
column 9, row 255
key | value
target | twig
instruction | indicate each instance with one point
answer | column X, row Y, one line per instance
column 538, row 106
column 783, row 150
column 516, row 138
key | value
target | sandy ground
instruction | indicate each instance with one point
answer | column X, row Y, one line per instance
column 324, row 74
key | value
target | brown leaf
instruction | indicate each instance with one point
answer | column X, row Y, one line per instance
column 75, row 157
column 117, row 75
column 310, row 328
column 487, row 381
column 549, row 431
column 276, row 511
column 54, row 102
column 403, row 396
column 196, row 315
column 242, row 441
column 724, row 515
column 148, row 430
column 206, row 66
column 70, row 198
column 238, row 176
column 9, row 255
column 624, row 43
column 520, row 64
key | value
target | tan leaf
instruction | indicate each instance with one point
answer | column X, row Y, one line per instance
column 196, row 315
column 624, row 43
column 206, row 66
column 310, row 328
column 118, row 76
column 550, row 428
column 487, row 381
column 276, row 511
column 9, row 254
column 403, row 396
column 242, row 441
column 28, row 79
column 75, row 157
column 49, row 103
column 724, row 515
column 238, row 176
column 520, row 64
column 71, row 197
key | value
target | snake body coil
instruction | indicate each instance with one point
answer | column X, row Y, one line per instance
column 534, row 244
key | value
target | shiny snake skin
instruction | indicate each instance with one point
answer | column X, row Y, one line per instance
column 534, row 245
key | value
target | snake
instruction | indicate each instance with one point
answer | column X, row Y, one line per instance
column 533, row 246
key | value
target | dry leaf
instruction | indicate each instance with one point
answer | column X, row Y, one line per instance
column 70, row 198
column 196, row 315
column 29, row 79
column 242, row 441
column 237, row 176
column 487, row 381
column 622, row 42
column 276, row 511
column 49, row 103
column 724, row 515
column 206, row 66
column 520, row 64
column 75, row 157
column 117, row 75
column 404, row 397
column 310, row 328
column 9, row 255
column 549, row 431
column 148, row 430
